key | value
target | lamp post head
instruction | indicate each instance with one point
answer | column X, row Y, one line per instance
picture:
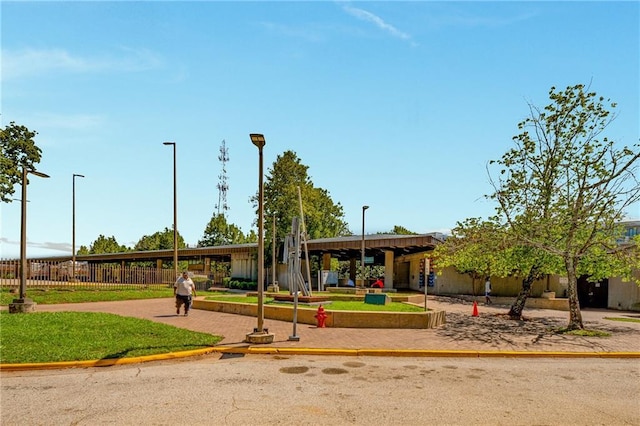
column 364, row 208
column 37, row 173
column 75, row 175
column 169, row 143
column 258, row 140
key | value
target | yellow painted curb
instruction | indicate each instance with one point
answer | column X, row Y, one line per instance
column 104, row 362
column 261, row 350
column 265, row 350
column 417, row 353
column 303, row 351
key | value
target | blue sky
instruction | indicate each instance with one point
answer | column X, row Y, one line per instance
column 395, row 105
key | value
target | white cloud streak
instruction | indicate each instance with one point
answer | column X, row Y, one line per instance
column 32, row 62
column 69, row 122
column 480, row 21
column 305, row 34
column 9, row 253
column 377, row 21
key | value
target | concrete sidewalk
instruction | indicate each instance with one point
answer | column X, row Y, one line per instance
column 489, row 333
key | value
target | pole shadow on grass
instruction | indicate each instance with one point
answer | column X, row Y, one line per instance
column 124, row 353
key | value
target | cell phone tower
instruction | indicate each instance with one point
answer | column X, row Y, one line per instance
column 223, row 186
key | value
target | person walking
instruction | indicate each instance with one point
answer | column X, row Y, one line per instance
column 487, row 292
column 184, row 290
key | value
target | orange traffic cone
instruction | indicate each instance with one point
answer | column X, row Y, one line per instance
column 475, row 309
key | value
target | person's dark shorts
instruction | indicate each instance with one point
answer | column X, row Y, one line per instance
column 183, row 300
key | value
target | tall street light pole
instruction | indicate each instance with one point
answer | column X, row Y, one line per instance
column 274, row 279
column 362, row 254
column 260, row 334
column 175, row 213
column 23, row 304
column 73, row 228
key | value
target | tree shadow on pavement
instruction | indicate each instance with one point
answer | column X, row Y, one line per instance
column 498, row 331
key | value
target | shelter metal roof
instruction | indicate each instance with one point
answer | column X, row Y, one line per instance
column 342, row 248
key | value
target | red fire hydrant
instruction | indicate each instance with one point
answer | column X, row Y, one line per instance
column 321, row 316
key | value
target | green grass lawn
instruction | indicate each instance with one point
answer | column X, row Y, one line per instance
column 335, row 305
column 79, row 336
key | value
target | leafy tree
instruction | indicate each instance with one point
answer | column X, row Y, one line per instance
column 162, row 240
column 219, row 232
column 19, row 151
column 474, row 248
column 103, row 245
column 251, row 237
column 530, row 264
column 563, row 188
column 484, row 248
column 601, row 262
column 399, row 230
column 322, row 217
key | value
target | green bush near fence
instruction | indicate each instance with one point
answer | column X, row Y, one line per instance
column 240, row 284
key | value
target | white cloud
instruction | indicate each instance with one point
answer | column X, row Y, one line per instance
column 302, row 33
column 377, row 21
column 63, row 247
column 58, row 129
column 29, row 62
column 69, row 121
column 11, row 249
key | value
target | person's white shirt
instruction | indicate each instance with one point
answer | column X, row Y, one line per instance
column 184, row 286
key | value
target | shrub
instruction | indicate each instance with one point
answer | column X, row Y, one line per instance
column 241, row 284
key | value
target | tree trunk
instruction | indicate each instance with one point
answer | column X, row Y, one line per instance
column 575, row 317
column 518, row 305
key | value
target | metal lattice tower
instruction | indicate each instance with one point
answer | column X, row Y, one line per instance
column 223, row 186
